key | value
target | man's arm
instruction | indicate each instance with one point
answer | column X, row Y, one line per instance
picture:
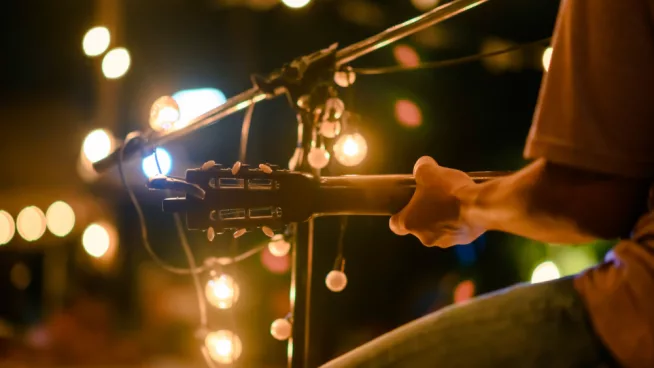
column 557, row 204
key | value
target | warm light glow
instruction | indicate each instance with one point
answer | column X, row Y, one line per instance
column 350, row 149
column 150, row 167
column 195, row 102
column 60, row 218
column 278, row 246
column 545, row 271
column 116, row 63
column 424, row 5
column 547, row 58
column 296, row 4
column 97, row 145
column 7, row 227
column 222, row 291
column 275, row 264
column 336, row 281
column 224, row 346
column 97, row 239
column 406, row 55
column 281, row 329
column 408, row 113
column 318, row 158
column 96, row 41
column 164, row 113
column 31, row 223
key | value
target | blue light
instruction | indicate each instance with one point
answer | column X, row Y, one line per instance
column 149, row 164
column 195, row 102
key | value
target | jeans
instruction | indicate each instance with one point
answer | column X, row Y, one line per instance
column 539, row 325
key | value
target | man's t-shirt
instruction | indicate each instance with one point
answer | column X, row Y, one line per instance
column 596, row 112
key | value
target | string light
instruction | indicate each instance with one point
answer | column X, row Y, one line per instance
column 350, row 149
column 318, row 157
column 97, row 145
column 278, row 246
column 336, row 281
column 164, row 113
column 7, row 227
column 31, row 223
column 96, row 41
column 296, row 4
column 98, row 239
column 116, row 63
column 545, row 271
column 60, row 218
column 222, row 291
column 281, row 329
column 224, row 346
column 547, row 58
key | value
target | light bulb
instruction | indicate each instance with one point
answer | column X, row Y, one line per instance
column 222, row 291
column 96, row 41
column 336, row 281
column 97, row 145
column 278, row 246
column 345, row 78
column 350, row 149
column 545, row 271
column 60, row 218
column 281, row 329
column 116, row 63
column 296, row 4
column 318, row 157
column 97, row 239
column 31, row 223
column 164, row 113
column 334, row 107
column 330, row 128
column 7, row 227
column 224, row 346
column 547, row 58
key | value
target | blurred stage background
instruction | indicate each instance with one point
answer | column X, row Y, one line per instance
column 76, row 287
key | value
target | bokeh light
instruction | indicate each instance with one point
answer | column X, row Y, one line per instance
column 222, row 291
column 281, row 329
column 116, row 63
column 275, row 264
column 60, row 218
column 96, row 41
column 195, row 102
column 547, row 58
column 545, row 271
column 31, row 223
column 7, row 227
column 465, row 290
column 97, row 145
column 408, row 113
column 350, row 149
column 224, row 346
column 424, row 5
column 296, row 4
column 318, row 157
column 149, row 164
column 97, row 239
column 164, row 113
column 278, row 246
column 406, row 55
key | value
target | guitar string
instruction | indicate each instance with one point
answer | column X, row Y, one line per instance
column 448, row 62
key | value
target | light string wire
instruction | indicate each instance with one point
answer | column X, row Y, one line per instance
column 446, row 63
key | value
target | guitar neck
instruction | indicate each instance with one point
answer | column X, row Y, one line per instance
column 372, row 195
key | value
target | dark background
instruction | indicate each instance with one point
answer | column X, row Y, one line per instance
column 475, row 117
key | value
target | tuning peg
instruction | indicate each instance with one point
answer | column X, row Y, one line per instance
column 211, row 234
column 236, row 168
column 268, row 231
column 265, row 168
column 208, row 165
column 238, row 233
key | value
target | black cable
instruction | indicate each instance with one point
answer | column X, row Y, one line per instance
column 445, row 63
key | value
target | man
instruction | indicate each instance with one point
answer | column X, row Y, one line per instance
column 592, row 142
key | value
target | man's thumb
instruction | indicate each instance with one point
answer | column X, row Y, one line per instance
column 423, row 168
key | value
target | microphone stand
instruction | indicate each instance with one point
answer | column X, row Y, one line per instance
column 301, row 81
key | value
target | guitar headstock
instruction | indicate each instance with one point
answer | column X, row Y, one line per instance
column 240, row 197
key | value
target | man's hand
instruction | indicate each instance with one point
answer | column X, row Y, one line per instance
column 434, row 214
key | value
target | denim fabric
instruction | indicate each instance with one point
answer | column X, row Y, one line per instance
column 540, row 325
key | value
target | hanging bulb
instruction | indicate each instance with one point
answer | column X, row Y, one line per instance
column 330, row 128
column 334, row 107
column 224, row 346
column 345, row 77
column 318, row 157
column 278, row 246
column 350, row 149
column 281, row 329
column 221, row 291
column 164, row 113
column 336, row 281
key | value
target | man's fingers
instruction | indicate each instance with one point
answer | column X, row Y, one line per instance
column 397, row 224
column 423, row 168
